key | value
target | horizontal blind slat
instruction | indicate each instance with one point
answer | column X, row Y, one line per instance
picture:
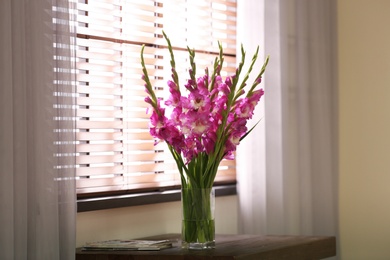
column 90, row 136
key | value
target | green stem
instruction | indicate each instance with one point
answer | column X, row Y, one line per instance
column 198, row 215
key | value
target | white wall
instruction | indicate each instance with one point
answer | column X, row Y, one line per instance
column 154, row 219
column 364, row 125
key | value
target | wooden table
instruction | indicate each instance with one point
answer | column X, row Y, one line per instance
column 251, row 247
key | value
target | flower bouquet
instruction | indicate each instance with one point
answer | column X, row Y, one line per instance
column 204, row 127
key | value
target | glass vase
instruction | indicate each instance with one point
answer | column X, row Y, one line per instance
column 198, row 224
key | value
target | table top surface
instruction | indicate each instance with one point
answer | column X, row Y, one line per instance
column 231, row 247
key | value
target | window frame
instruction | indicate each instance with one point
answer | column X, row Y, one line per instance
column 143, row 198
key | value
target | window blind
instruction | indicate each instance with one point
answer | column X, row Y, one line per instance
column 115, row 152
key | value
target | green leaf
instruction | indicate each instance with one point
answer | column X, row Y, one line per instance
column 247, row 133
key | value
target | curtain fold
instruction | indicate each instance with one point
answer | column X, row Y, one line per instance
column 290, row 184
column 38, row 208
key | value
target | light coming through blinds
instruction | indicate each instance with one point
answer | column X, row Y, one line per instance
column 115, row 152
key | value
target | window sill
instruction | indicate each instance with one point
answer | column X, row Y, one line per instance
column 118, row 201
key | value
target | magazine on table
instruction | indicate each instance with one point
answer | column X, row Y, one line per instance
column 121, row 244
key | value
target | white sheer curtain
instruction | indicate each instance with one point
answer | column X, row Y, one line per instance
column 37, row 194
column 287, row 168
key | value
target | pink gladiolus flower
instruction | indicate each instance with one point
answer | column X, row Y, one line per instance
column 255, row 97
column 244, row 109
column 174, row 99
column 199, row 126
column 198, row 101
column 208, row 141
column 199, row 120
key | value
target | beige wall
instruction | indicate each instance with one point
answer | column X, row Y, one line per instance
column 154, row 219
column 364, row 125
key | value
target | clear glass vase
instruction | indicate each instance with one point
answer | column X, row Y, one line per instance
column 198, row 223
